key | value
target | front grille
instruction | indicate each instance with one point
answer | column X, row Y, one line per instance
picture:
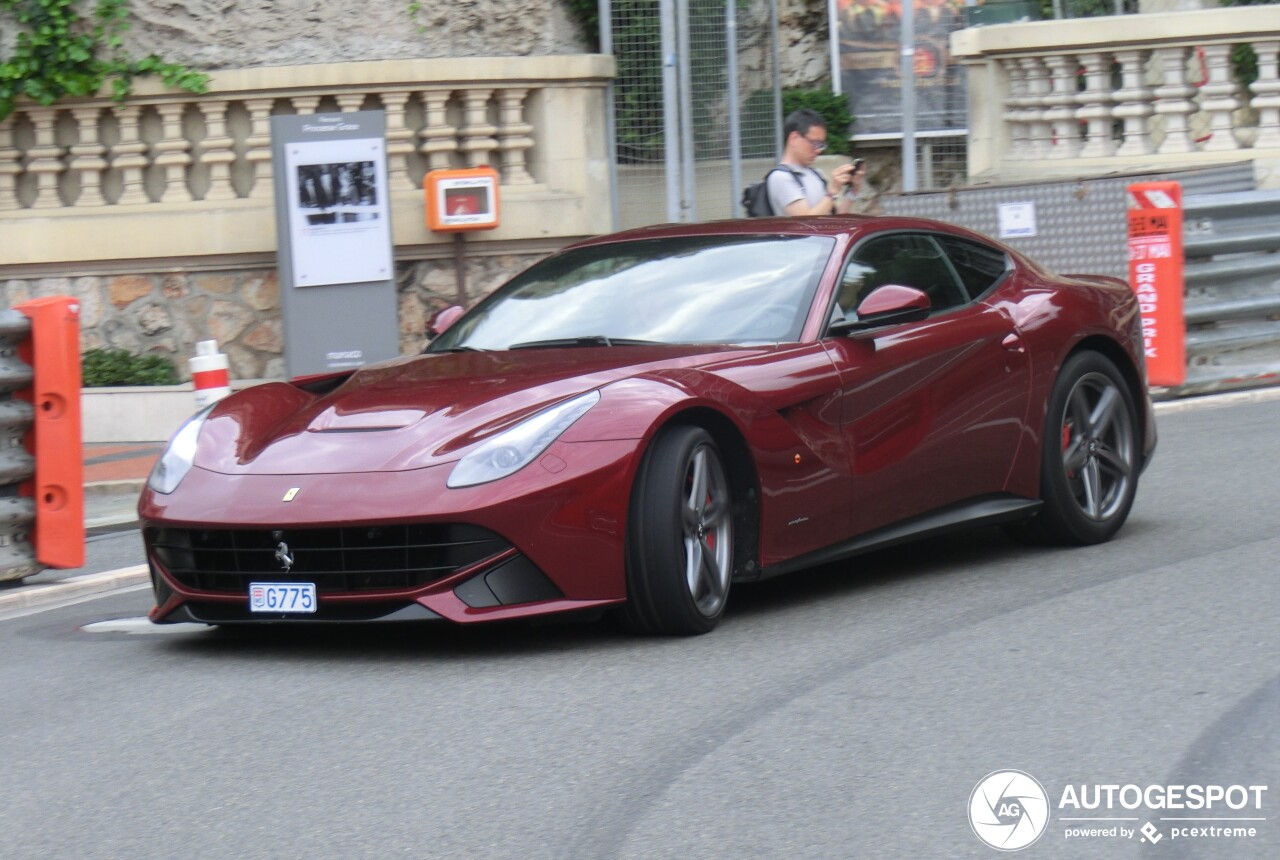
column 345, row 560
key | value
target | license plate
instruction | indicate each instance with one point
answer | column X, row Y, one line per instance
column 282, row 597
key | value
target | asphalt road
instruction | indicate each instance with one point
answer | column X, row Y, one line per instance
column 844, row 712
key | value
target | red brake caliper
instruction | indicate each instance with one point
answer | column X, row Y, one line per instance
column 1066, row 443
column 711, row 536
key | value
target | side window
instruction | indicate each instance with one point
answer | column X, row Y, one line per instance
column 908, row 259
column 854, row 287
column 979, row 266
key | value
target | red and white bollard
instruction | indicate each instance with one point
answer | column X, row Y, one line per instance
column 209, row 373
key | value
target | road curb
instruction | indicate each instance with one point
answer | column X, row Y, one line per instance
column 37, row 595
column 126, row 487
column 1211, row 401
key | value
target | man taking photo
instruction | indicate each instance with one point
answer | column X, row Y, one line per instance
column 800, row 189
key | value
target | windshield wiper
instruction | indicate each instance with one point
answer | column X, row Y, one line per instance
column 583, row 340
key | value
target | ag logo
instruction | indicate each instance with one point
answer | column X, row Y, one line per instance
column 1008, row 810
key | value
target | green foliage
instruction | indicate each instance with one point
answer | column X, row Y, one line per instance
column 1245, row 63
column 834, row 109
column 1243, row 58
column 587, row 14
column 758, row 142
column 104, row 367
column 60, row 52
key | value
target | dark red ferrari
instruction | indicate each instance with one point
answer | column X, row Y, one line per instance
column 646, row 418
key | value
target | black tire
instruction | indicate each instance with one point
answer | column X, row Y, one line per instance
column 1091, row 455
column 679, row 537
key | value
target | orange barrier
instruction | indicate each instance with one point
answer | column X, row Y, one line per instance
column 53, row 352
column 1156, row 275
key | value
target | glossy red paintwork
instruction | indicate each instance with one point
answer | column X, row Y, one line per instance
column 843, row 434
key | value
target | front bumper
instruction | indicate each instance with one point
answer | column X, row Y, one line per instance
column 558, row 527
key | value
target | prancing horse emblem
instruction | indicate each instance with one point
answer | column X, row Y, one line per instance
column 283, row 556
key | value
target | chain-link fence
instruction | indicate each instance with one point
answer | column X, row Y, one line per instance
column 1096, row 8
column 696, row 104
column 942, row 162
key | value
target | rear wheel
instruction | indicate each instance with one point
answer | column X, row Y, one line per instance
column 679, row 536
column 1090, row 461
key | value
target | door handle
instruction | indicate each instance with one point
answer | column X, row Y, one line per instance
column 1013, row 343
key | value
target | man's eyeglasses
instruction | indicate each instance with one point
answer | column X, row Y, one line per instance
column 818, row 145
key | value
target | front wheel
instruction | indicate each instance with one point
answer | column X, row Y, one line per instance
column 679, row 536
column 1091, row 458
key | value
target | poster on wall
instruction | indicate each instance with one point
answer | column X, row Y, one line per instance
column 870, row 71
column 339, row 226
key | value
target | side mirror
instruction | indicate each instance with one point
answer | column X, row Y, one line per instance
column 441, row 320
column 890, row 304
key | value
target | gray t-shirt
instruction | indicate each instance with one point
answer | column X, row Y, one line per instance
column 784, row 190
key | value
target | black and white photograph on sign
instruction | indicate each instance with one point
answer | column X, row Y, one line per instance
column 338, row 211
column 338, row 193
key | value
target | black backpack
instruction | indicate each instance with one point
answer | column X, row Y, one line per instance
column 755, row 198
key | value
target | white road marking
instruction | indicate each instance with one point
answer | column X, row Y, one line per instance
column 142, row 625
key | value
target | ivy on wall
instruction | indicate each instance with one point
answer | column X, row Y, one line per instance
column 1243, row 57
column 61, row 51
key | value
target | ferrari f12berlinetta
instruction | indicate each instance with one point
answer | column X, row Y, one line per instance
column 644, row 419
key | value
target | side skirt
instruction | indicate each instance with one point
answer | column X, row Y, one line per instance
column 982, row 511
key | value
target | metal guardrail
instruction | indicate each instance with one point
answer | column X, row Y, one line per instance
column 1232, row 309
column 17, row 513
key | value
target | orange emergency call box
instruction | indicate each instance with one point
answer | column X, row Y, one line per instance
column 464, row 199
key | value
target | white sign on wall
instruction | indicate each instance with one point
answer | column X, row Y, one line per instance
column 339, row 225
column 1017, row 220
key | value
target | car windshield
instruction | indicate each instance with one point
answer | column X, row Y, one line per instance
column 688, row 289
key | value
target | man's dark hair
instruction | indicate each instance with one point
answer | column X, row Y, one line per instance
column 802, row 120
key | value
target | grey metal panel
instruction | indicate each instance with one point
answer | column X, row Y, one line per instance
column 331, row 326
column 1081, row 223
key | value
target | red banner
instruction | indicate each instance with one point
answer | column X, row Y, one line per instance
column 1155, row 273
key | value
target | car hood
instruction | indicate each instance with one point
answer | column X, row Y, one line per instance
column 420, row 411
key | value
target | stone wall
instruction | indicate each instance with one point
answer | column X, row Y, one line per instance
column 166, row 313
column 804, row 52
column 221, row 34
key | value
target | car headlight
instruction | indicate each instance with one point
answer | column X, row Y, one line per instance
column 176, row 460
column 513, row 449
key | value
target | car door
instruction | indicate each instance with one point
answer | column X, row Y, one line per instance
column 931, row 411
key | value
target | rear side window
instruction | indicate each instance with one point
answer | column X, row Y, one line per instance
column 979, row 266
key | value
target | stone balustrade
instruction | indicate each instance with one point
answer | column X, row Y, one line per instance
column 173, row 176
column 1099, row 95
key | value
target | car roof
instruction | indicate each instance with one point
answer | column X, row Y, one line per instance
column 850, row 227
